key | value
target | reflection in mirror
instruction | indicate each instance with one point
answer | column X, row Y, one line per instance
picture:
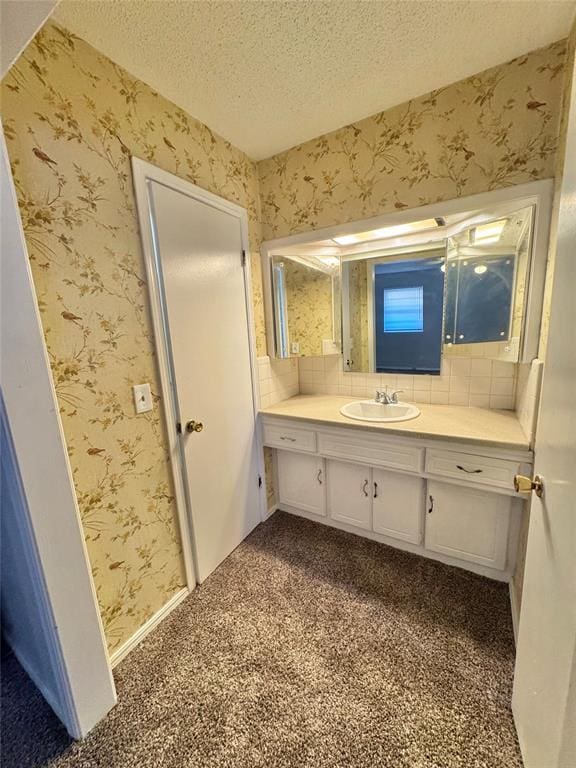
column 392, row 312
column 486, row 284
column 306, row 306
column 397, row 293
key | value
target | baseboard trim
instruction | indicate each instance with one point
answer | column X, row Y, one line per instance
column 514, row 610
column 146, row 628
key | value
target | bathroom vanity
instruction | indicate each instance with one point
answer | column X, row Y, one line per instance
column 441, row 485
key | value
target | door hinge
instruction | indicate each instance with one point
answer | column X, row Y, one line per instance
column 259, row 481
column 178, row 427
column 243, row 257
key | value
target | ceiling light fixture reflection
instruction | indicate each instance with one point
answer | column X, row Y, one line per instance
column 386, row 232
column 480, row 269
column 485, row 234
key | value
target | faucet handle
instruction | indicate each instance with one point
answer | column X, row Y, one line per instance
column 394, row 395
column 379, row 395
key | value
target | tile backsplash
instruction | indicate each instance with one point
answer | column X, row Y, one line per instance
column 528, row 395
column 277, row 379
column 463, row 381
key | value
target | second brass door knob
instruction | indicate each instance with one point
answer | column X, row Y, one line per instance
column 194, row 426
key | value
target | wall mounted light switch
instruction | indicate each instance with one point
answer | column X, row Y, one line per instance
column 295, row 348
column 142, row 398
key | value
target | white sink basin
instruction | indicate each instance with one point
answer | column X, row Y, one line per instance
column 370, row 410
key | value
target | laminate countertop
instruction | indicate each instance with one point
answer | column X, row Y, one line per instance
column 477, row 426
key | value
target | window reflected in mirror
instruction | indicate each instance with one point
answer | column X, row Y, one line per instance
column 393, row 319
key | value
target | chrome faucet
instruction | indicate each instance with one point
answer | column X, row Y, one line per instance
column 387, row 398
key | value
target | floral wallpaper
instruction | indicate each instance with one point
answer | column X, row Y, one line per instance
column 494, row 129
column 309, row 306
column 72, row 119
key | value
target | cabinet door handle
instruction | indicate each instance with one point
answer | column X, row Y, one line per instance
column 319, row 477
column 290, row 439
column 431, row 507
column 364, row 487
column 375, row 490
column 468, row 471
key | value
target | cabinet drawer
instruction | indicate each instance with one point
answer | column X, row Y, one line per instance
column 294, row 438
column 370, row 449
column 470, row 468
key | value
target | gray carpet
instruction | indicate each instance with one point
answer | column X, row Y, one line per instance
column 307, row 647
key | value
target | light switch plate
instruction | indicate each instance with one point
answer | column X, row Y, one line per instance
column 142, row 398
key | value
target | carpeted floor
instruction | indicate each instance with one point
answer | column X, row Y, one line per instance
column 307, row 647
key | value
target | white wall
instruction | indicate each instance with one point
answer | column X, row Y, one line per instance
column 21, row 586
column 19, row 22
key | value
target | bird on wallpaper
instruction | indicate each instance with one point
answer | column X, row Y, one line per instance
column 535, row 105
column 43, row 156
column 169, row 143
column 95, row 451
column 70, row 316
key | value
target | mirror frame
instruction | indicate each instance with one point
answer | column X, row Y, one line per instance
column 495, row 203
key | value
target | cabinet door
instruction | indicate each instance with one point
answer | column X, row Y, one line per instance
column 349, row 493
column 398, row 505
column 468, row 524
column 301, row 481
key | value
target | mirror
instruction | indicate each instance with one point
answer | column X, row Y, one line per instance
column 487, row 268
column 468, row 280
column 464, row 295
column 306, row 306
column 393, row 312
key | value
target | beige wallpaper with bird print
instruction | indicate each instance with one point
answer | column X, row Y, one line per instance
column 492, row 130
column 72, row 119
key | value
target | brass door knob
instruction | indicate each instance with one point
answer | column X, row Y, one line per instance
column 194, row 426
column 523, row 484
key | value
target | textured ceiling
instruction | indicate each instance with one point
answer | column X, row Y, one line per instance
column 270, row 74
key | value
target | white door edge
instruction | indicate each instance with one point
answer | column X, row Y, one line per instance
column 66, row 598
column 143, row 173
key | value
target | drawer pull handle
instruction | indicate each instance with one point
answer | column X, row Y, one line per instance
column 290, row 439
column 319, row 477
column 468, row 471
column 375, row 490
column 364, row 491
column 431, row 507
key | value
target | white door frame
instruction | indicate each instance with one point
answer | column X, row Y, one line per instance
column 144, row 173
column 57, row 571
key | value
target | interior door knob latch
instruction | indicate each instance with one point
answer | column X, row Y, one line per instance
column 191, row 426
column 523, row 484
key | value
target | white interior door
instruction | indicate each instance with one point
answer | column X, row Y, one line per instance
column 544, row 699
column 199, row 246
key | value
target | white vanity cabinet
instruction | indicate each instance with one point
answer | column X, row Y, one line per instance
column 301, row 482
column 467, row 523
column 433, row 497
column 398, row 501
column 349, row 493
